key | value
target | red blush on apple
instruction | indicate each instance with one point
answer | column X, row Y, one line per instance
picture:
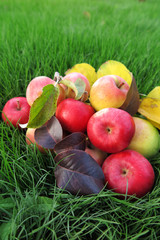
column 128, row 172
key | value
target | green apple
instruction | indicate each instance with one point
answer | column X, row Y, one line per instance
column 146, row 139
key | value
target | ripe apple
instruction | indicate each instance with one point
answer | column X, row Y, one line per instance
column 15, row 111
column 74, row 76
column 146, row 139
column 98, row 155
column 31, row 140
column 35, row 88
column 128, row 172
column 74, row 115
column 108, row 91
column 111, row 129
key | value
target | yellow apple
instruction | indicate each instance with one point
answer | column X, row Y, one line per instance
column 146, row 139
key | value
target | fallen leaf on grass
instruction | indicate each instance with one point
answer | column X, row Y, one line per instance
column 78, row 173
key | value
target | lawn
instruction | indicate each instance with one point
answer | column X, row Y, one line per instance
column 38, row 38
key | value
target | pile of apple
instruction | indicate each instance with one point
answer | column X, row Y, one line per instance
column 103, row 106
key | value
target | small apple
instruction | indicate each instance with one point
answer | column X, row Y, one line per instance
column 31, row 140
column 74, row 115
column 111, row 129
column 35, row 89
column 98, row 155
column 16, row 111
column 74, row 76
column 128, row 172
column 108, row 91
column 146, row 139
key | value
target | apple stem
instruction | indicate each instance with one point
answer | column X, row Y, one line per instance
column 120, row 85
column 57, row 78
column 18, row 105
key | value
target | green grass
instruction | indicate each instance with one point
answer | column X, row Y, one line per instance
column 39, row 38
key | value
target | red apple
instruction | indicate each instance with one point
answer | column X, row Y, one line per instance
column 128, row 172
column 35, row 88
column 111, row 129
column 16, row 111
column 74, row 115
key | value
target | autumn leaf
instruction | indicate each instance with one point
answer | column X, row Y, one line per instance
column 132, row 102
column 49, row 134
column 112, row 67
column 86, row 69
column 78, row 173
column 150, row 107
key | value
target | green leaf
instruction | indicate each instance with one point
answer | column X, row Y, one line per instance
column 43, row 107
column 80, row 85
column 70, row 84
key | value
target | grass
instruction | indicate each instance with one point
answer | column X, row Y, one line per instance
column 39, row 38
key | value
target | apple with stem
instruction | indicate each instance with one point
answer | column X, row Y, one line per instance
column 111, row 129
column 128, row 172
column 74, row 115
column 16, row 111
column 108, row 92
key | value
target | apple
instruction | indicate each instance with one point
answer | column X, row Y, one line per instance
column 74, row 115
column 30, row 140
column 74, row 76
column 98, row 155
column 128, row 172
column 16, row 111
column 146, row 139
column 35, row 89
column 111, row 129
column 108, row 91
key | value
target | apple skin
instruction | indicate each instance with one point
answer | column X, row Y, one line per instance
column 111, row 129
column 35, row 89
column 108, row 92
column 128, row 172
column 74, row 115
column 74, row 76
column 15, row 111
column 146, row 139
column 98, row 155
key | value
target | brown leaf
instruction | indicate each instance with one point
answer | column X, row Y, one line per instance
column 132, row 101
column 49, row 134
column 75, row 140
column 78, row 173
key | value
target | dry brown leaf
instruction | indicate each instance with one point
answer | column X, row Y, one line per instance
column 132, row 101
